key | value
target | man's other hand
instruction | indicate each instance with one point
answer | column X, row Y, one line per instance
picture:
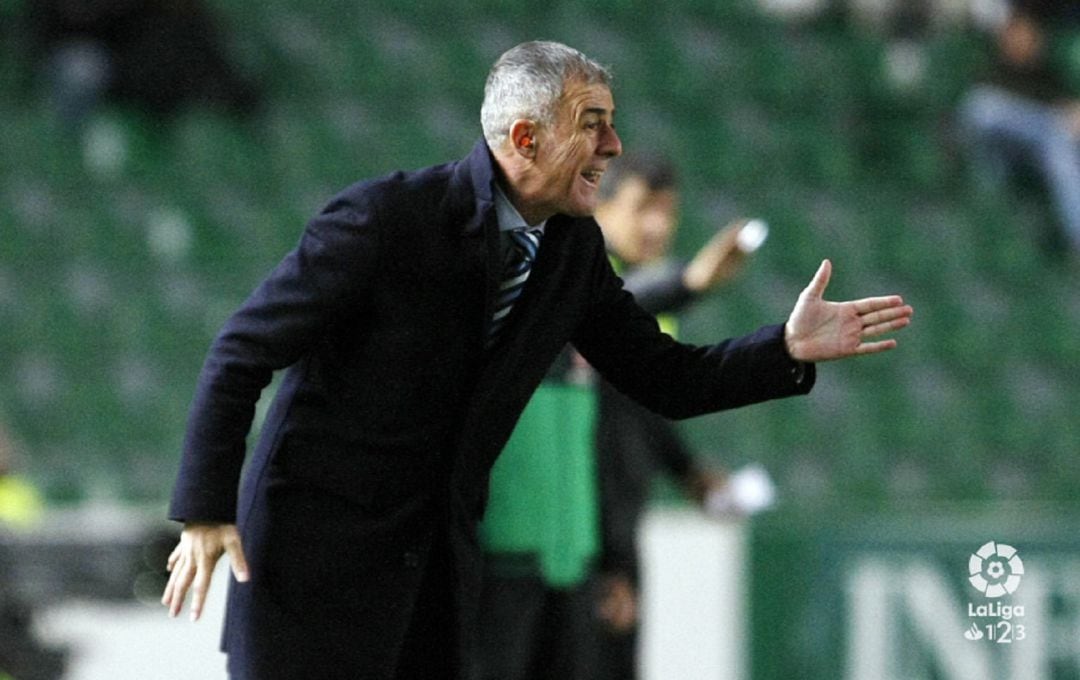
column 191, row 564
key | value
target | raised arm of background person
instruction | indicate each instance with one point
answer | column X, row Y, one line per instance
column 659, row 287
column 330, row 269
column 670, row 285
column 819, row 330
column 717, row 262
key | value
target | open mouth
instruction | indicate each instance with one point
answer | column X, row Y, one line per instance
column 592, row 177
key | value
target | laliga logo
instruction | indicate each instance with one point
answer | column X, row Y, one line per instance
column 995, row 569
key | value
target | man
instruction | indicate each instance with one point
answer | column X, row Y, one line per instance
column 411, row 351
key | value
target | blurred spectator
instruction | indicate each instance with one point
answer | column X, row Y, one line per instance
column 561, row 505
column 794, row 10
column 20, row 503
column 907, row 18
column 638, row 213
column 540, row 535
column 907, row 28
column 22, row 655
column 158, row 54
column 1022, row 117
column 896, row 18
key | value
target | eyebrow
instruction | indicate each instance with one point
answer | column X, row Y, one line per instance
column 599, row 111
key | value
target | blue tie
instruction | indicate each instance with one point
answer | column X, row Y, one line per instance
column 525, row 243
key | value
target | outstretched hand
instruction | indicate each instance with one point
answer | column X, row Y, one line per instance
column 819, row 330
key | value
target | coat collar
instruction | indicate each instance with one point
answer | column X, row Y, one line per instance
column 472, row 188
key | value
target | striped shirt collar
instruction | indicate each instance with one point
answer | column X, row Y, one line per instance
column 508, row 216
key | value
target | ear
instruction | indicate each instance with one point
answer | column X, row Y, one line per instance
column 523, row 137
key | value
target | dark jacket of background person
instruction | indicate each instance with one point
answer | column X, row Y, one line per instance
column 1036, row 76
column 632, row 442
column 362, row 497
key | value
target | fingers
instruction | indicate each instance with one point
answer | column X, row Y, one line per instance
column 167, row 595
column 719, row 248
column 875, row 347
column 730, row 233
column 191, row 571
column 727, row 239
column 885, row 327
column 873, row 304
column 200, row 586
column 820, row 280
column 883, row 321
column 191, row 565
column 173, row 557
column 180, row 580
column 236, row 557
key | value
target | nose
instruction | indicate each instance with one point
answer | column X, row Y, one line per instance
column 610, row 144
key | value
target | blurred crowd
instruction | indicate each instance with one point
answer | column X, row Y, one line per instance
column 23, row 656
column 159, row 55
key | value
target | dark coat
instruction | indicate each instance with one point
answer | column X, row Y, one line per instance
column 359, row 506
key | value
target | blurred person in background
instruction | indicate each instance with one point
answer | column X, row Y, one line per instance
column 1023, row 116
column 157, row 54
column 638, row 213
column 20, row 503
column 540, row 534
column 22, row 655
column 567, row 492
column 414, row 331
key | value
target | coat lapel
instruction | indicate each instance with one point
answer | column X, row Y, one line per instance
column 472, row 191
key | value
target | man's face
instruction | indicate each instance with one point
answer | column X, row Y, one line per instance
column 573, row 153
column 639, row 222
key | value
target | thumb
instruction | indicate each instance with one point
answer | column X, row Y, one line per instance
column 817, row 285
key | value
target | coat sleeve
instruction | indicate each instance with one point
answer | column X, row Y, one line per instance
column 332, row 268
column 625, row 344
column 660, row 288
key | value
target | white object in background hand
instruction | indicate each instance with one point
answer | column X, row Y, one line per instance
column 752, row 235
column 749, row 490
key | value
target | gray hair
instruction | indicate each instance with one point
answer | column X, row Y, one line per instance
column 527, row 82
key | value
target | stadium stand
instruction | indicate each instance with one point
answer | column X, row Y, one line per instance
column 122, row 250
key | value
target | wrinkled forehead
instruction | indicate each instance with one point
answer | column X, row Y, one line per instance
column 580, row 98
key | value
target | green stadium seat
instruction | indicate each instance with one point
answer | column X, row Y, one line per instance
column 793, row 123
